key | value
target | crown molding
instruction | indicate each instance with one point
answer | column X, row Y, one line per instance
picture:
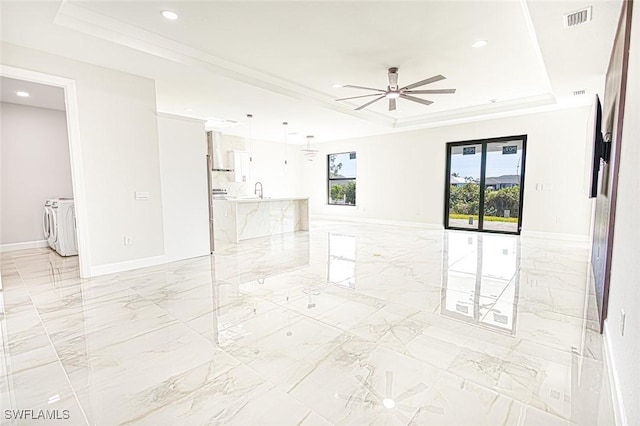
column 503, row 108
column 180, row 117
column 78, row 18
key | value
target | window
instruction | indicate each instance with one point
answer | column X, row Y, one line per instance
column 342, row 178
column 342, row 260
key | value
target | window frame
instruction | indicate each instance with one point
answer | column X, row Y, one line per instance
column 330, row 179
column 333, row 258
column 447, row 183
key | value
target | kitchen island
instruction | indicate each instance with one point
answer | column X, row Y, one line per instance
column 237, row 219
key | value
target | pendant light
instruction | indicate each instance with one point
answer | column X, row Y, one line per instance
column 308, row 152
column 249, row 136
column 285, row 125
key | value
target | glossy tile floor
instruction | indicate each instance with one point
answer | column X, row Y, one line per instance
column 345, row 324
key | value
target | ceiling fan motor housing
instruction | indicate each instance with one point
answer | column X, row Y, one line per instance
column 393, row 78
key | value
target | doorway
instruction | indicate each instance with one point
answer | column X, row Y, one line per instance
column 75, row 153
column 484, row 185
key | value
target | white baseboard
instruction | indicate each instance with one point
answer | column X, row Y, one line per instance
column 127, row 265
column 616, row 392
column 556, row 236
column 23, row 246
column 533, row 234
column 380, row 222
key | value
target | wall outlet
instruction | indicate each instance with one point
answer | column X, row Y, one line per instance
column 128, row 241
column 623, row 318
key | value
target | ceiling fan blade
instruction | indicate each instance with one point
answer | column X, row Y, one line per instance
column 369, row 387
column 433, row 91
column 393, row 78
column 350, row 398
column 412, row 391
column 389, row 383
column 356, row 97
column 423, row 82
column 362, row 87
column 369, row 103
column 414, row 99
column 392, row 104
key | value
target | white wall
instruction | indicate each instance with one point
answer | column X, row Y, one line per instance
column 401, row 176
column 34, row 155
column 119, row 139
column 183, row 165
column 267, row 167
column 625, row 268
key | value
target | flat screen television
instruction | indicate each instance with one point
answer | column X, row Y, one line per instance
column 600, row 151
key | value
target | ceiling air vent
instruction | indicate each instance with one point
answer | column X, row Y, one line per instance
column 578, row 17
column 579, row 92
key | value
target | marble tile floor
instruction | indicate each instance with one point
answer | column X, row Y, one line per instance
column 344, row 324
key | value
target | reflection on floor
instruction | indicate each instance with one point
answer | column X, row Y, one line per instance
column 345, row 324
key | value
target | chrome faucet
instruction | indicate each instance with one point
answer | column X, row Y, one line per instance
column 255, row 189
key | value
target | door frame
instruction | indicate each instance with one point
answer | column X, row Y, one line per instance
column 75, row 154
column 478, row 289
column 483, row 166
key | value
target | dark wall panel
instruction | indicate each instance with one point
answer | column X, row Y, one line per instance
column 613, row 118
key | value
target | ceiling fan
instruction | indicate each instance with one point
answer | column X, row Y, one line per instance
column 394, row 92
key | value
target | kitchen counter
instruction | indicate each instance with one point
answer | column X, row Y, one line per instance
column 237, row 219
column 260, row 200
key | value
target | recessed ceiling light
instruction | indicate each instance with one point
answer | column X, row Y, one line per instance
column 172, row 16
column 336, row 85
column 480, row 43
column 388, row 403
column 23, row 94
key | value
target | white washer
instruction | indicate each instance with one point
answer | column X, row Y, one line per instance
column 48, row 223
column 63, row 230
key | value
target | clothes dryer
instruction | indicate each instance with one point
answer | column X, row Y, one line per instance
column 64, row 220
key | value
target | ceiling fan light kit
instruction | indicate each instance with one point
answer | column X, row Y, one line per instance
column 394, row 92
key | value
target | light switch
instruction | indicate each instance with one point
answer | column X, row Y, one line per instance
column 142, row 195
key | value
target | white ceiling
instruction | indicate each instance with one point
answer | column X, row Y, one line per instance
column 280, row 60
column 40, row 95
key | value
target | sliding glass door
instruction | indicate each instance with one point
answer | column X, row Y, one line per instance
column 484, row 187
column 464, row 184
